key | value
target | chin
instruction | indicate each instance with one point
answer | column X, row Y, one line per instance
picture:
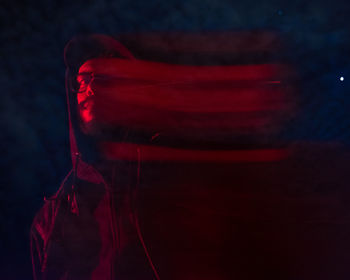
column 90, row 128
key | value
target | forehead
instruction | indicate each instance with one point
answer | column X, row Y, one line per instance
column 101, row 66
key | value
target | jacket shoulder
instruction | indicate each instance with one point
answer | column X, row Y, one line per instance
column 45, row 218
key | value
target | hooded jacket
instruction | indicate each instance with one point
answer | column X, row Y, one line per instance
column 90, row 228
column 159, row 208
column 75, row 235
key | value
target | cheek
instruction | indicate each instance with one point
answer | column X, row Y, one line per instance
column 85, row 107
column 81, row 97
column 86, row 114
column 87, row 118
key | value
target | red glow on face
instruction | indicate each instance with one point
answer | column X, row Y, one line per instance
column 181, row 99
column 84, row 98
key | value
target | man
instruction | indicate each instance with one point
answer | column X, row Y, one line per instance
column 171, row 178
column 76, row 235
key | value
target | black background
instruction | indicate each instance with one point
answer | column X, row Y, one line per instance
column 33, row 121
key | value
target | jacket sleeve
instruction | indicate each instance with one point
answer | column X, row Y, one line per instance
column 37, row 251
column 46, row 249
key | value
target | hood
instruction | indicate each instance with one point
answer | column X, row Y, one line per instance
column 77, row 51
column 196, row 117
column 225, row 64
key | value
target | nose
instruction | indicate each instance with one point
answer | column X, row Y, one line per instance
column 89, row 91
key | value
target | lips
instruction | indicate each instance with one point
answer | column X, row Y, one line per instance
column 86, row 110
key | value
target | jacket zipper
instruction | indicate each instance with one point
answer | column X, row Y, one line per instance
column 114, row 235
column 113, row 226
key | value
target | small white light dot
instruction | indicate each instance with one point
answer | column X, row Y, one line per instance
column 341, row 78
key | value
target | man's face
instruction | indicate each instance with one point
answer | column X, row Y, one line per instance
column 85, row 100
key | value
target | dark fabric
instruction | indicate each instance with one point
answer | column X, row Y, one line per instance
column 76, row 235
column 88, row 233
column 140, row 219
column 203, row 221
